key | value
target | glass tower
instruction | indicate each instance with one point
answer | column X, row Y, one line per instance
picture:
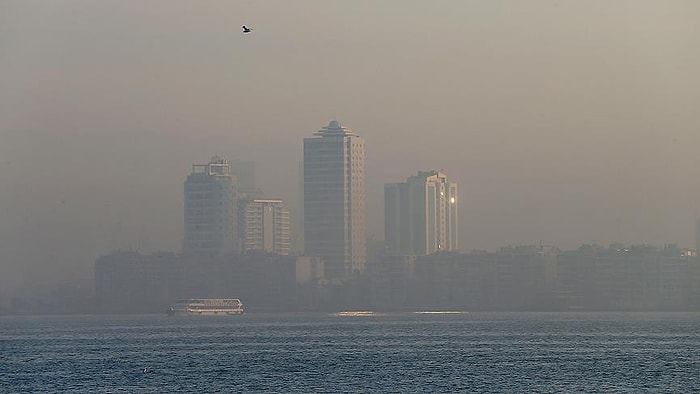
column 334, row 200
column 211, row 227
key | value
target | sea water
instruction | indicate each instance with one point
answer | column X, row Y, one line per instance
column 352, row 352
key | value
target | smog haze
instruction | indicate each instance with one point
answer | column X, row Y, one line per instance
column 566, row 122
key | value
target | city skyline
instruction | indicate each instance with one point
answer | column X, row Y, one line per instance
column 568, row 122
column 382, row 187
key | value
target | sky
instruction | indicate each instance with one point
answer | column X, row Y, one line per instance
column 563, row 122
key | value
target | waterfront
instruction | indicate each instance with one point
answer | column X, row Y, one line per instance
column 470, row 352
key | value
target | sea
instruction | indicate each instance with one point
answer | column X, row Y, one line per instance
column 465, row 352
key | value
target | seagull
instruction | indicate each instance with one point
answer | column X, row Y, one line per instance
column 246, row 30
column 147, row 370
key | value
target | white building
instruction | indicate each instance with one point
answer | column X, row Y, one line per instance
column 211, row 227
column 266, row 226
column 421, row 215
column 334, row 200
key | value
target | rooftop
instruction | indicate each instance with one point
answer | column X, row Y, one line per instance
column 334, row 128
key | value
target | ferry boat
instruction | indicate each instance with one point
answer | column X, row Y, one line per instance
column 207, row 306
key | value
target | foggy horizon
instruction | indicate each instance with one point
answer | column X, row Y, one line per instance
column 566, row 123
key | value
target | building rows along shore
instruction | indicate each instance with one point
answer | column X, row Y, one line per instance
column 237, row 244
column 526, row 278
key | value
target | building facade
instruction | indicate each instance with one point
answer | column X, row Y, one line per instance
column 266, row 227
column 334, row 200
column 211, row 227
column 421, row 215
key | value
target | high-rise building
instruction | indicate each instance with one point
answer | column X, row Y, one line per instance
column 334, row 200
column 266, row 226
column 421, row 215
column 211, row 227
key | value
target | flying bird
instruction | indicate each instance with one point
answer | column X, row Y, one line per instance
column 246, row 30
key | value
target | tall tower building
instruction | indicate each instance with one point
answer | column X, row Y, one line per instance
column 421, row 215
column 211, row 227
column 266, row 226
column 334, row 200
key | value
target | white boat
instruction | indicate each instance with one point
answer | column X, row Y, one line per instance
column 207, row 306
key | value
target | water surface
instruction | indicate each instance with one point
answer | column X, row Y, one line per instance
column 408, row 352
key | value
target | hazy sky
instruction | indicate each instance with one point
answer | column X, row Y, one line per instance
column 563, row 121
